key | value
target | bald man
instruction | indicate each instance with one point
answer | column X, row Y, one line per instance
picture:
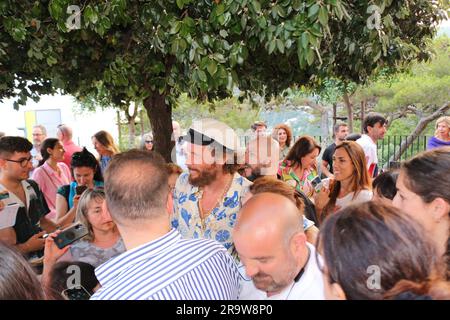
column 279, row 263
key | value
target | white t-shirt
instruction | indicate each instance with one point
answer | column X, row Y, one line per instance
column 370, row 151
column 308, row 287
column 362, row 196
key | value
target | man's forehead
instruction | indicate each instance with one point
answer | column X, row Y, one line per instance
column 19, row 155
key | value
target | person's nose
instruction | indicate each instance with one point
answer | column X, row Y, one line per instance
column 251, row 269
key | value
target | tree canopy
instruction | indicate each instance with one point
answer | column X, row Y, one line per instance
column 152, row 51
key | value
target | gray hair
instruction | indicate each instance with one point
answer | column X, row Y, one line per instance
column 40, row 126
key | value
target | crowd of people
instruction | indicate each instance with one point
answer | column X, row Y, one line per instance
column 271, row 223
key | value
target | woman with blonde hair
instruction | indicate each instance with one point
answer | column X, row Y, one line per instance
column 441, row 135
column 103, row 241
column 351, row 185
column 283, row 134
column 104, row 144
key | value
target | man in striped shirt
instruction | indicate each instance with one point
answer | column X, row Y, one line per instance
column 158, row 263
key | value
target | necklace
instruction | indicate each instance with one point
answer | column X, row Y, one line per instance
column 205, row 215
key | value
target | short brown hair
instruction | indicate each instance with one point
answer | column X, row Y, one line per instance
column 136, row 185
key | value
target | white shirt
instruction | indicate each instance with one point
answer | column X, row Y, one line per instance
column 370, row 151
column 308, row 287
column 362, row 196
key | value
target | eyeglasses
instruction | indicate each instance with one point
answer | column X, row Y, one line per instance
column 23, row 162
column 148, row 141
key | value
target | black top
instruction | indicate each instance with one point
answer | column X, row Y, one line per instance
column 27, row 221
column 328, row 156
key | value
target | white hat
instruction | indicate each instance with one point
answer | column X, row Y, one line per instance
column 207, row 131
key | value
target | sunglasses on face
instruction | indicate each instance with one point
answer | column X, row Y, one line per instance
column 148, row 141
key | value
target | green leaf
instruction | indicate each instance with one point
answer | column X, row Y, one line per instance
column 272, row 45
column 256, row 6
column 223, row 33
column 202, row 75
column 51, row 60
column 212, row 67
column 180, row 4
column 323, row 16
column 305, row 39
column 351, row 48
column 313, row 10
column 280, row 45
column 175, row 28
column 309, row 56
column 220, row 9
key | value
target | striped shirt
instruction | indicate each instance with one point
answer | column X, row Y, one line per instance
column 170, row 268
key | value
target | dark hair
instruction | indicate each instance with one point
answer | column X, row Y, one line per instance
column 9, row 145
column 338, row 125
column 84, row 158
column 428, row 176
column 361, row 179
column 301, row 148
column 61, row 273
column 353, row 136
column 385, row 184
column 17, row 280
column 130, row 193
column 372, row 119
column 373, row 234
column 48, row 143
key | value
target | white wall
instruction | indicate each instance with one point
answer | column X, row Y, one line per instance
column 84, row 126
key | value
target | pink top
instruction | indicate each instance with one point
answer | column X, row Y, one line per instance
column 49, row 181
column 70, row 149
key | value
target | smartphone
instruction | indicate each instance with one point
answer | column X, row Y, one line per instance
column 71, row 234
column 76, row 293
column 80, row 189
column 317, row 183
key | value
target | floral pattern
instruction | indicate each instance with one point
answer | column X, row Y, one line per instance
column 219, row 224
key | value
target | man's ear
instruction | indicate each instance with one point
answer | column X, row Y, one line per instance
column 439, row 209
column 298, row 242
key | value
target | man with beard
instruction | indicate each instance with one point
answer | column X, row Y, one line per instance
column 279, row 263
column 207, row 199
column 262, row 155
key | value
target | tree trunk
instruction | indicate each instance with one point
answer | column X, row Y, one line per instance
column 349, row 106
column 424, row 121
column 119, row 129
column 363, row 113
column 160, row 116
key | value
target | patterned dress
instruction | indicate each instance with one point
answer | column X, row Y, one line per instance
column 303, row 184
column 219, row 223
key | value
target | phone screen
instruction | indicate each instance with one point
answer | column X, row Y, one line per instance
column 76, row 294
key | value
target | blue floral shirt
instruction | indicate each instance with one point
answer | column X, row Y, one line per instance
column 219, row 224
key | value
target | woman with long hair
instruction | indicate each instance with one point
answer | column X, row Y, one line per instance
column 104, row 144
column 351, row 184
column 51, row 173
column 372, row 251
column 423, row 192
column 283, row 134
column 299, row 167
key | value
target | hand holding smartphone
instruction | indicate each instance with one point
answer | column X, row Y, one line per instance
column 71, row 234
column 80, row 189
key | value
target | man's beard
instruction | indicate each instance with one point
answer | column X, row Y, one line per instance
column 205, row 177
